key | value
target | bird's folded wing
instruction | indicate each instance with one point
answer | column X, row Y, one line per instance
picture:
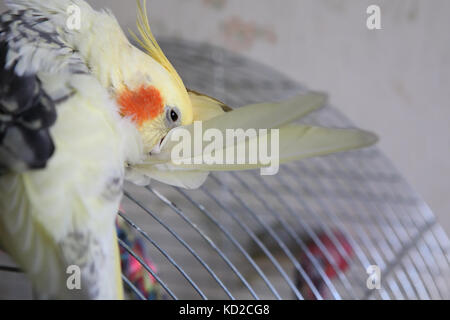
column 205, row 107
column 285, row 144
column 290, row 142
column 56, row 117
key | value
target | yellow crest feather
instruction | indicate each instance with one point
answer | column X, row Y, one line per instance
column 149, row 43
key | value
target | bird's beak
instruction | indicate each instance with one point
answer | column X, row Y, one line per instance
column 157, row 148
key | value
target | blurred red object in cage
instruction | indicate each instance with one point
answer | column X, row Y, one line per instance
column 340, row 263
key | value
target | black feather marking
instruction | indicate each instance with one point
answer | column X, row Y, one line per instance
column 26, row 114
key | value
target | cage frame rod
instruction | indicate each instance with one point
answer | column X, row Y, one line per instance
column 411, row 270
column 204, row 237
column 364, row 259
column 423, row 252
column 416, row 275
column 233, row 240
column 256, row 240
column 184, row 244
column 133, row 288
column 401, row 275
column 142, row 262
column 342, row 276
column 286, row 250
column 164, row 254
column 387, row 245
column 299, row 241
column 10, row 269
column 428, row 218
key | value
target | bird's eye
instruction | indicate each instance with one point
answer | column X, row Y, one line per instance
column 173, row 115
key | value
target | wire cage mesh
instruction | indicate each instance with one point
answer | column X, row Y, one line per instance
column 309, row 232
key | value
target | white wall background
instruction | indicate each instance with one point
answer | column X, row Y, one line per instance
column 394, row 81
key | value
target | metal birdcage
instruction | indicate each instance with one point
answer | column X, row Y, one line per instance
column 332, row 227
column 311, row 231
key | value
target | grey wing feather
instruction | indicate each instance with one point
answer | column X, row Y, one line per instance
column 29, row 45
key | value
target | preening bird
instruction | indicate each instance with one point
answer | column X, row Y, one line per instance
column 81, row 110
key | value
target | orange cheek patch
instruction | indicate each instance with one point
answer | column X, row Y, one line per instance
column 142, row 104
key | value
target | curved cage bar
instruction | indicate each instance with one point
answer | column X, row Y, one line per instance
column 309, row 232
column 316, row 230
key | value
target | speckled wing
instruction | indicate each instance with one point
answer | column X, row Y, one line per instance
column 62, row 161
column 29, row 45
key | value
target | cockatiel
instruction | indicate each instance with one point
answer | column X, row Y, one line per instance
column 81, row 109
